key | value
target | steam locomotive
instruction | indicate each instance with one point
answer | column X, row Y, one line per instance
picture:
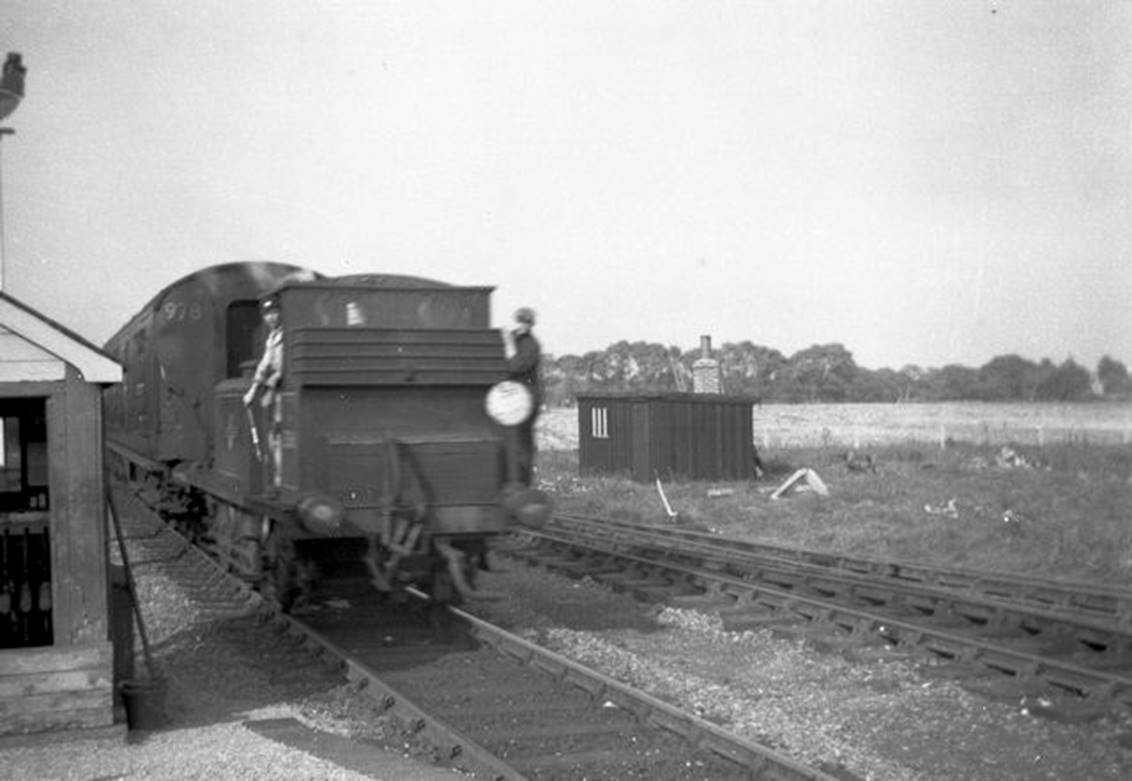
column 388, row 462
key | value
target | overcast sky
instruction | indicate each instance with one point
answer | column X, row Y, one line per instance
column 925, row 182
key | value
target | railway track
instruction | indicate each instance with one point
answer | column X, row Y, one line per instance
column 527, row 712
column 1107, row 603
column 1081, row 658
column 488, row 701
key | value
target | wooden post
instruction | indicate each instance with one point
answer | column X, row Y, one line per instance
column 149, row 663
column 512, row 433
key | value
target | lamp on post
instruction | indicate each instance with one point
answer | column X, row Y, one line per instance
column 11, row 93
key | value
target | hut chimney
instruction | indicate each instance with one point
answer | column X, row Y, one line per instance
column 706, row 375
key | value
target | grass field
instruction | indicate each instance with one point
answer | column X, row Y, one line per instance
column 866, row 425
column 1062, row 508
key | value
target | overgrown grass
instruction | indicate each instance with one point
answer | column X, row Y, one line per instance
column 1062, row 511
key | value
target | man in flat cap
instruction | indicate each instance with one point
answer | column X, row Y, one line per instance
column 523, row 367
column 268, row 376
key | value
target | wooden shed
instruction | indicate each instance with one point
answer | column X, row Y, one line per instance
column 683, row 436
column 56, row 657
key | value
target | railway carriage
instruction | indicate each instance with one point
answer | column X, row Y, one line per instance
column 390, row 464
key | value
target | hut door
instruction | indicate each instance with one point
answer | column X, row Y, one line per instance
column 25, row 554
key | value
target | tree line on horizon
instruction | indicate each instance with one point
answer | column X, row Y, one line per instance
column 827, row 373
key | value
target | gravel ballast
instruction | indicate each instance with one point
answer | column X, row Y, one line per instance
column 863, row 713
column 243, row 702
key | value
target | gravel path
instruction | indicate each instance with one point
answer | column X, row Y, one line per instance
column 243, row 702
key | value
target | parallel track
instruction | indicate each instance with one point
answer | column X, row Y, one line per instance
column 1082, row 657
column 1110, row 604
column 489, row 702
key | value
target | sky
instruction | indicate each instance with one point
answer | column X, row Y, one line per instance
column 924, row 182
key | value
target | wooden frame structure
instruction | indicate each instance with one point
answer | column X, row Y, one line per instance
column 67, row 684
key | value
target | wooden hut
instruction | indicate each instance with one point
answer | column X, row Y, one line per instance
column 683, row 436
column 56, row 657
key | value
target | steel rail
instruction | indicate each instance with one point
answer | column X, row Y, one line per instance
column 1111, row 603
column 762, row 761
column 449, row 742
column 455, row 747
column 1090, row 634
column 1102, row 686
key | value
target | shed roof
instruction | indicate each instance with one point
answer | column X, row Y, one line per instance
column 94, row 365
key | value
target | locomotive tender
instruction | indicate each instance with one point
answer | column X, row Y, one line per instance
column 391, row 466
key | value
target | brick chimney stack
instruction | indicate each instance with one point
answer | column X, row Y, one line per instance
column 706, row 374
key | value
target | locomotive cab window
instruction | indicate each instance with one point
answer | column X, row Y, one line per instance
column 245, row 335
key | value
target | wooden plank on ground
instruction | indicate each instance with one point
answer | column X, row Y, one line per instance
column 20, row 661
column 59, row 702
column 40, row 722
column 15, row 686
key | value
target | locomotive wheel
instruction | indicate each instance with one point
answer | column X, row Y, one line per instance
column 239, row 544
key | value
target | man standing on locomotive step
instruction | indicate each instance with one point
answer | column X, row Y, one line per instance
column 523, row 367
column 268, row 375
